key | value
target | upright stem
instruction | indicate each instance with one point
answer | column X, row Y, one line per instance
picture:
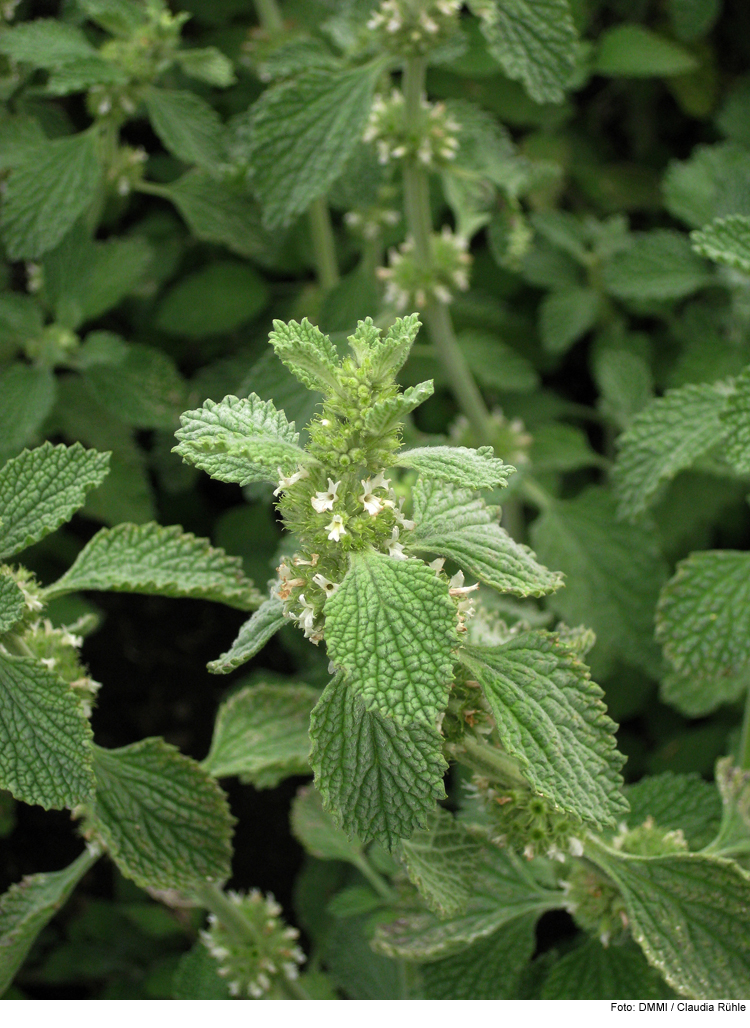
column 378, row 883
column 269, row 16
column 419, row 220
column 324, row 248
column 214, row 899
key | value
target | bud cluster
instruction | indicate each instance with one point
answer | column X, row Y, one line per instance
column 258, row 969
column 413, row 27
column 528, row 822
column 126, row 168
column 432, row 142
column 409, row 283
column 595, row 903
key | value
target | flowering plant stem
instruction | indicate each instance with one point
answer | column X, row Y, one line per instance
column 418, row 217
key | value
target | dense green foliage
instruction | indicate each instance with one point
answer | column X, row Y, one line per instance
column 420, row 285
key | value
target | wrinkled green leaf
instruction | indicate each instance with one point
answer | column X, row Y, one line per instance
column 684, row 802
column 472, row 469
column 659, row 265
column 187, row 126
column 12, row 603
column 592, row 971
column 314, row 828
column 726, row 240
column 27, row 395
column 443, row 861
column 252, row 637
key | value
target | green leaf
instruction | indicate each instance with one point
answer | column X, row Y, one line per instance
column 120, row 17
column 625, row 383
column 218, row 298
column 613, row 574
column 488, row 969
column 592, row 971
column 220, row 212
column 379, row 779
column 208, row 64
column 679, row 912
column 666, row 437
column 316, row 831
column 197, row 976
column 534, row 41
column 45, row 741
column 659, row 265
column 387, row 415
column 352, row 965
column 21, row 320
column 692, row 19
column 252, row 637
column 713, row 183
column 443, row 862
column 27, row 395
column 559, row 447
column 163, row 819
column 83, row 279
column 684, row 802
column 239, row 440
column 454, row 523
column 187, row 126
column 26, row 908
column 391, row 626
column 42, row 488
column 472, row 469
column 261, row 734
column 157, row 561
column 703, row 623
column 45, row 43
column 504, row 890
column 12, row 602
column 550, row 716
column 565, row 316
column 300, row 134
column 496, row 364
column 735, row 418
column 389, row 353
column 83, row 73
column 309, row 355
column 636, row 52
column 48, row 189
column 726, row 240
column 142, row 386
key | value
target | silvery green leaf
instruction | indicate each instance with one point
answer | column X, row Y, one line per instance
column 472, row 469
column 252, row 637
column 443, row 860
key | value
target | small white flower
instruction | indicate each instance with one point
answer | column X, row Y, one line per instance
column 285, row 482
column 395, row 548
column 329, row 588
column 325, row 500
column 49, row 662
column 306, row 619
column 575, row 846
column 437, row 565
column 405, row 523
column 336, row 528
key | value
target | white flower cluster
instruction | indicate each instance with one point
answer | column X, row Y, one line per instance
column 251, row 970
column 371, row 221
column 414, row 26
column 409, row 286
column 432, row 145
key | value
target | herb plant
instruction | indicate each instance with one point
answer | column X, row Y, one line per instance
column 559, row 190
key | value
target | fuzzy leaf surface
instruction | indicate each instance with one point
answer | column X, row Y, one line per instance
column 163, row 819
column 660, row 265
column 252, row 637
column 387, row 415
column 488, row 969
column 443, row 861
column 592, row 971
column 27, row 395
column 389, row 353
column 534, row 41
column 45, row 741
column 27, row 907
column 666, row 437
column 454, row 523
column 725, row 240
column 379, row 779
column 158, row 561
column 48, row 189
column 315, row 829
column 300, row 134
column 42, row 488
column 613, row 573
column 703, row 623
column 472, row 469
column 187, row 126
column 550, row 716
column 504, row 890
column 261, row 734
column 12, row 603
column 735, row 420
column 310, row 356
column 685, row 802
column 392, row 627
column 678, row 911
column 239, row 441
column 45, row 43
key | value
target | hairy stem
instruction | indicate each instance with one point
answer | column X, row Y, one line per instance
column 269, row 16
column 378, row 883
column 744, row 753
column 490, row 761
column 14, row 644
column 215, row 900
column 419, row 221
column 324, row 248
